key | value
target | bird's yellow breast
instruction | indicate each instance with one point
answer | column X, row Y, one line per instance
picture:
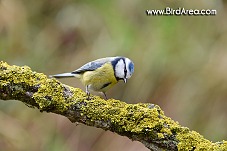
column 100, row 79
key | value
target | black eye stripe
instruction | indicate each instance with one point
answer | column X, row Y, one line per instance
column 125, row 70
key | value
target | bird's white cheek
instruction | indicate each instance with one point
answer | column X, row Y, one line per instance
column 119, row 69
column 119, row 74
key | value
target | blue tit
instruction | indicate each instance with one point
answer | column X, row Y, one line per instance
column 101, row 74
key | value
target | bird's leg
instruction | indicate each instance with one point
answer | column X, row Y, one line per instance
column 105, row 95
column 88, row 93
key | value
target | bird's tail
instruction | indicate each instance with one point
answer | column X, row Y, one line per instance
column 63, row 75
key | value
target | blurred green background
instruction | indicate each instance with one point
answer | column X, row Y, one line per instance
column 180, row 64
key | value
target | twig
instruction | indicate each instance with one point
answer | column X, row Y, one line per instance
column 140, row 122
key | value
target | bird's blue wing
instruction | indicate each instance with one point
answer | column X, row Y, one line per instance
column 90, row 66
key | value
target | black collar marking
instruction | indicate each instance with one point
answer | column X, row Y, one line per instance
column 105, row 85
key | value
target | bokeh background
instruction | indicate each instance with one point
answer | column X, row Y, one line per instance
column 180, row 64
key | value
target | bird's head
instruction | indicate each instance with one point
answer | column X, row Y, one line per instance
column 123, row 68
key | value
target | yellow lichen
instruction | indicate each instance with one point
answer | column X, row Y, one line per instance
column 134, row 118
column 191, row 140
column 160, row 135
column 23, row 75
column 145, row 120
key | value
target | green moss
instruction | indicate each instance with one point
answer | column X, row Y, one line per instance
column 220, row 146
column 160, row 135
column 48, row 92
column 144, row 120
column 134, row 118
column 191, row 140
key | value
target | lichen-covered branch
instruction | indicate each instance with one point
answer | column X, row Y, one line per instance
column 141, row 122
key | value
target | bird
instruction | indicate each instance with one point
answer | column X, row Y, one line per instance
column 102, row 74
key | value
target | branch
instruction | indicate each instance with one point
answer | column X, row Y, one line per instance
column 141, row 122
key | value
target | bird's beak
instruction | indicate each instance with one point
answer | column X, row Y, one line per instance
column 125, row 80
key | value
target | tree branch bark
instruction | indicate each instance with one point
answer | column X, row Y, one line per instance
column 142, row 122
